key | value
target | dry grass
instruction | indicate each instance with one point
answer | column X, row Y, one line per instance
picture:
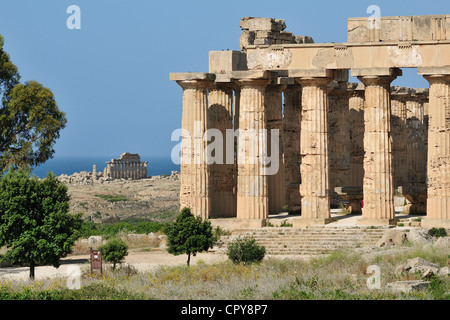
column 341, row 275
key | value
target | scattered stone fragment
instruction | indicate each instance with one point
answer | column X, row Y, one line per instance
column 408, row 286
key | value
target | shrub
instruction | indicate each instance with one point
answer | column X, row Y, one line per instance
column 114, row 229
column 148, row 227
column 114, row 251
column 438, row 232
column 245, row 250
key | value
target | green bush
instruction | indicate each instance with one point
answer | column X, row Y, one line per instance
column 114, row 229
column 245, row 250
column 114, row 250
column 438, row 232
column 147, row 227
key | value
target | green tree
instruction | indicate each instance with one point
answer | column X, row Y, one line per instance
column 35, row 223
column 189, row 235
column 30, row 120
column 114, row 250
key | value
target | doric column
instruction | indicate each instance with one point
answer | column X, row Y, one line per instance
column 194, row 175
column 291, row 145
column 274, row 121
column 378, row 178
column 114, row 170
column 339, row 135
column 314, row 168
column 145, row 171
column 416, row 154
column 438, row 201
column 252, row 193
column 222, row 180
column 399, row 133
column 356, row 124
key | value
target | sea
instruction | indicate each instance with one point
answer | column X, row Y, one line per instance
column 70, row 165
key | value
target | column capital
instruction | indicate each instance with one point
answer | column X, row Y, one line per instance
column 276, row 87
column 252, row 83
column 314, row 81
column 195, row 84
column 437, row 78
column 224, row 86
column 378, row 81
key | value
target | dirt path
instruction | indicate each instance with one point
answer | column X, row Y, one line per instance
column 142, row 261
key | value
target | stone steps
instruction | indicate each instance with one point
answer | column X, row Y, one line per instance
column 309, row 241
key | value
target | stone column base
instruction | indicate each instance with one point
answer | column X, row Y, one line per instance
column 355, row 204
column 435, row 223
column 304, row 222
column 231, row 224
column 376, row 222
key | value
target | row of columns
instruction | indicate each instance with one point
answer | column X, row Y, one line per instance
column 304, row 131
column 126, row 170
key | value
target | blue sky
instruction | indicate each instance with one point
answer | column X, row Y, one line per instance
column 112, row 76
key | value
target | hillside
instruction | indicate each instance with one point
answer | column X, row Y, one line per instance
column 105, row 200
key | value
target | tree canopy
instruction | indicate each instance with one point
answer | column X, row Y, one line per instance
column 35, row 223
column 189, row 235
column 30, row 119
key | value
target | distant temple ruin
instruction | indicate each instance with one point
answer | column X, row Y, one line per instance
column 363, row 140
column 128, row 166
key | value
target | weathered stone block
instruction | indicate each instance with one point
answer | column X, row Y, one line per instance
column 226, row 61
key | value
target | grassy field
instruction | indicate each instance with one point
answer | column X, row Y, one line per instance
column 339, row 276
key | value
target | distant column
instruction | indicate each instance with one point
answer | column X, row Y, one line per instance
column 356, row 124
column 145, row 169
column 94, row 172
column 274, row 121
column 220, row 117
column 291, row 145
column 339, row 136
column 399, row 139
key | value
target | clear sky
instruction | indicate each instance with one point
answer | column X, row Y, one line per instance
column 111, row 77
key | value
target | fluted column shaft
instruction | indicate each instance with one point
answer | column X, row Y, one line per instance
column 252, row 192
column 291, row 145
column 194, row 172
column 438, row 203
column 378, row 175
column 314, row 168
column 220, row 117
column 399, row 141
column 339, row 136
column 356, row 124
column 274, row 121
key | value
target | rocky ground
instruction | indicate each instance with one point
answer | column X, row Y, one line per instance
column 107, row 200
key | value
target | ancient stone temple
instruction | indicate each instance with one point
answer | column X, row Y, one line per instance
column 287, row 99
column 128, row 166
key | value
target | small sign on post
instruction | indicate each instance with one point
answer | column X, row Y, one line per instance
column 96, row 261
